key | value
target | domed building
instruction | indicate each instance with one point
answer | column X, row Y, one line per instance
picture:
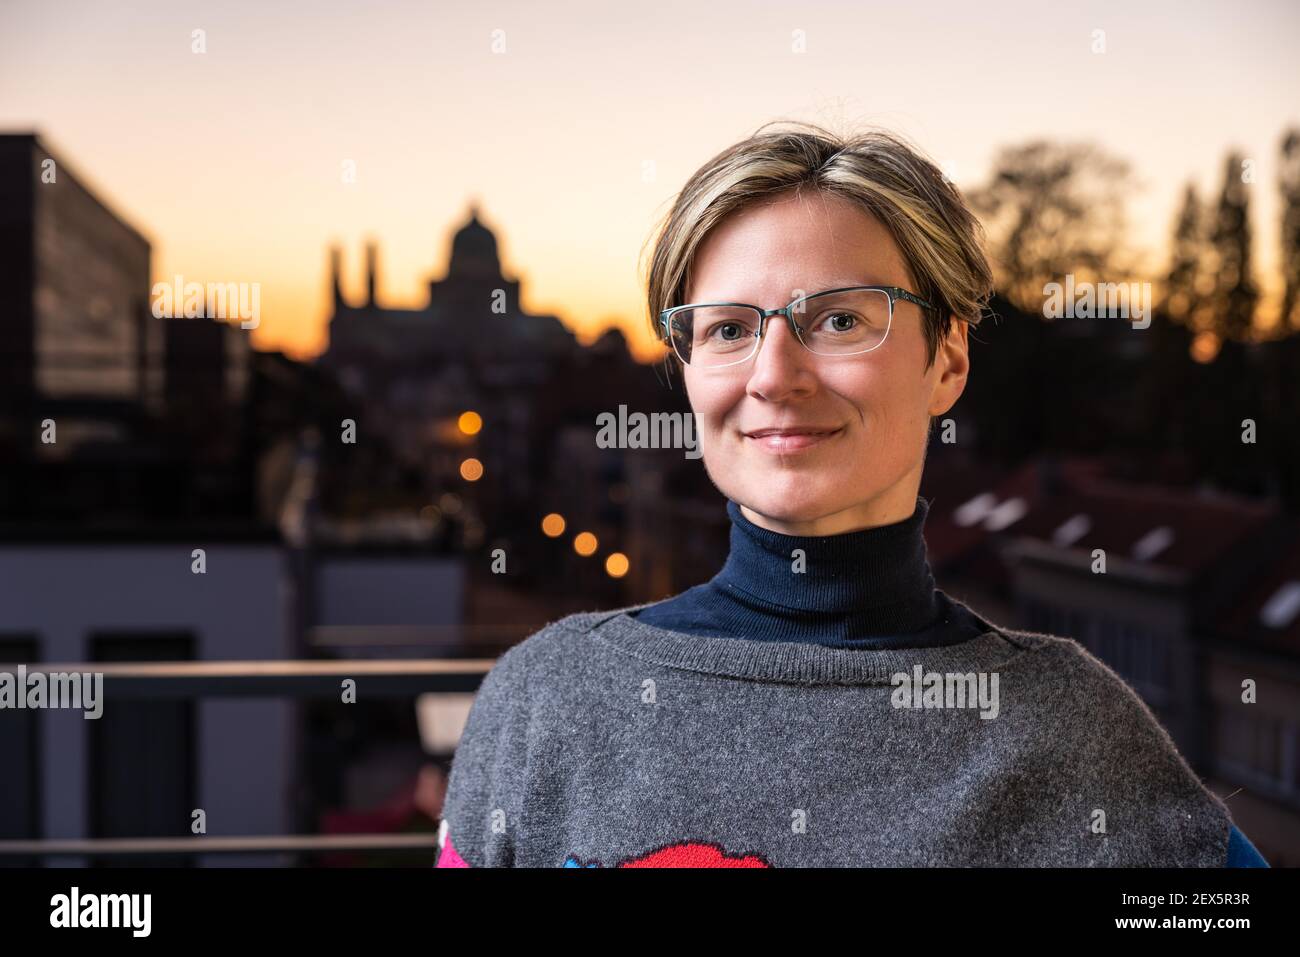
column 473, row 312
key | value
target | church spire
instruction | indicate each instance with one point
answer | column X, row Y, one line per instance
column 372, row 268
column 336, row 280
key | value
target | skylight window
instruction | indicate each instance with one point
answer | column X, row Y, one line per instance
column 1071, row 531
column 1281, row 610
column 1153, row 543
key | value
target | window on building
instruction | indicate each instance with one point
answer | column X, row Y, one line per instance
column 20, row 792
column 142, row 753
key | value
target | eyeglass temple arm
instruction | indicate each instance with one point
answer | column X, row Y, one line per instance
column 899, row 293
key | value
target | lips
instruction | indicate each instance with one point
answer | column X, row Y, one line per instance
column 791, row 441
column 808, row 430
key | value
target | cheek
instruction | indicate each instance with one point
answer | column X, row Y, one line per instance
column 710, row 401
column 888, row 402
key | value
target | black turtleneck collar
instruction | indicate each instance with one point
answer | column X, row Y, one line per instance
column 867, row 589
column 878, row 578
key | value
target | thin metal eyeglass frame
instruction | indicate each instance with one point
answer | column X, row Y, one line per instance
column 893, row 292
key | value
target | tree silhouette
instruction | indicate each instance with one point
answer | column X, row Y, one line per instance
column 1051, row 209
column 1289, row 187
column 1189, row 284
column 1235, row 293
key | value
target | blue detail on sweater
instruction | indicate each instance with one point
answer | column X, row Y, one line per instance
column 1242, row 853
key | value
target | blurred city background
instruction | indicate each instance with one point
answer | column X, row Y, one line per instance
column 355, row 467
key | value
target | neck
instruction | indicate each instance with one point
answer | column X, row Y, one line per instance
column 879, row 576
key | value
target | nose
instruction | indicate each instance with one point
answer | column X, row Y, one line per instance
column 781, row 361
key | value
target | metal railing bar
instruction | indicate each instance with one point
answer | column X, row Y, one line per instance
column 196, row 679
column 220, row 845
column 326, row 636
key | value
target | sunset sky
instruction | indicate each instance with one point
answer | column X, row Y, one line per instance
column 230, row 161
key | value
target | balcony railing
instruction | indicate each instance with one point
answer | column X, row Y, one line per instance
column 255, row 679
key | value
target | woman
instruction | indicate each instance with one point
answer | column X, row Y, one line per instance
column 820, row 701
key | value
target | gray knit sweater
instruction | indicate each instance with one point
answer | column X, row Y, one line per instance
column 602, row 741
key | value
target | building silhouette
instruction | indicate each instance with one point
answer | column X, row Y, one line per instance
column 472, row 314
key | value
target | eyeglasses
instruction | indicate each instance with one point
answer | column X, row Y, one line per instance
column 840, row 322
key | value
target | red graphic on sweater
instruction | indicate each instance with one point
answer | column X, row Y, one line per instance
column 683, row 854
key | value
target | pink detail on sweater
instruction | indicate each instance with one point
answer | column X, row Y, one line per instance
column 450, row 857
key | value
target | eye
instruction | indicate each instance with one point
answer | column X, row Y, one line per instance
column 727, row 325
column 840, row 321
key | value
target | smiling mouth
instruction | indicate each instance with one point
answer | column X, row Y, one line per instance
column 790, row 440
column 761, row 433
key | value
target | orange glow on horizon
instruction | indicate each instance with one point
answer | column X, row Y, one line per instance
column 355, row 129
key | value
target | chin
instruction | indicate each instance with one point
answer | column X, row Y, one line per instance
column 799, row 506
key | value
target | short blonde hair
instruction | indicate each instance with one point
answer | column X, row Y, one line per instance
column 941, row 241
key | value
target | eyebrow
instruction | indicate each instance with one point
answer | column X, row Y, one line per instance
column 835, row 284
column 856, row 282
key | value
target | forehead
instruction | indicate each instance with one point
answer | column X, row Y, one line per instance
column 776, row 248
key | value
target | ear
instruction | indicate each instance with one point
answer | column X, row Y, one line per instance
column 952, row 360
